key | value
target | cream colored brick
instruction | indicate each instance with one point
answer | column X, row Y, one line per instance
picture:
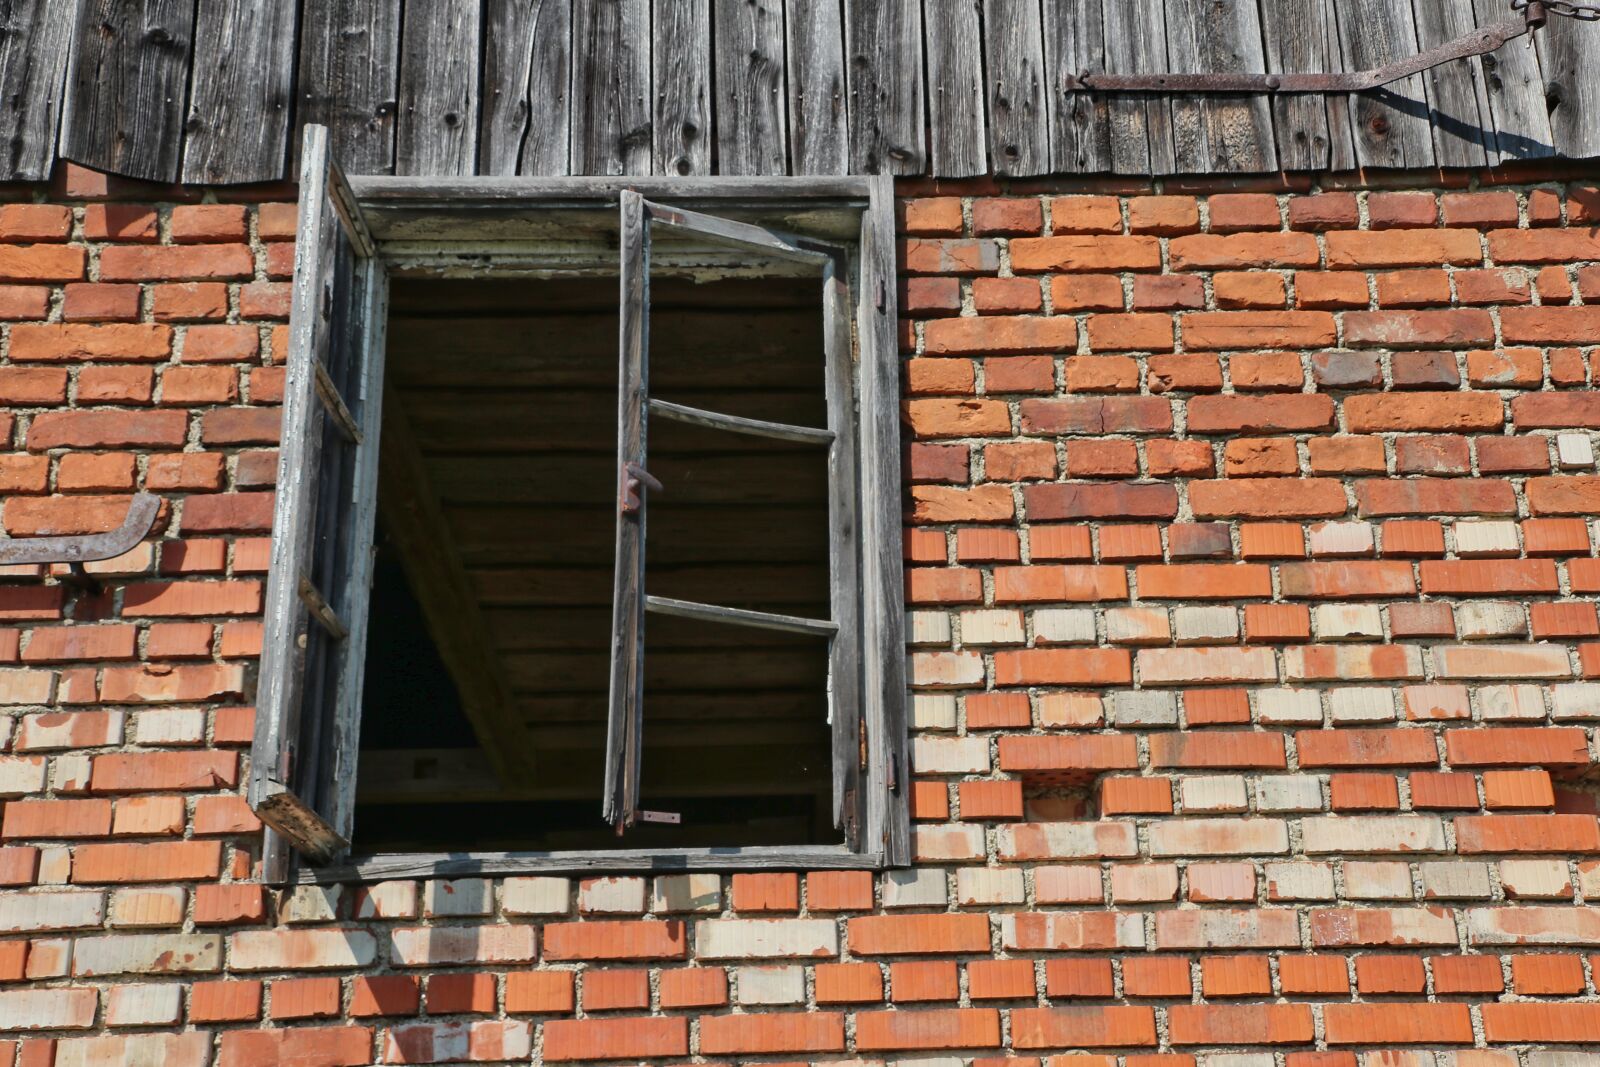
column 1332, row 835
column 21, row 775
column 1282, row 707
column 1072, row 710
column 1536, row 879
column 981, row 886
column 25, row 913
column 612, row 896
column 310, row 904
column 933, row 711
column 136, row 1050
column 457, row 897
column 536, row 896
column 148, row 906
column 1214, row 793
column 1454, row 880
column 21, row 686
column 1137, row 626
column 1143, row 707
column 1360, row 704
column 769, row 986
column 308, row 950
column 732, row 939
column 946, row 670
column 1342, row 539
column 1301, row 880
column 1064, row 626
column 914, row 887
column 1206, row 625
column 148, row 954
column 144, row 1005
column 1479, row 540
column 70, row 773
column 1575, row 701
column 950, row 755
column 1484, row 620
column 687, row 892
column 389, row 900
column 442, row 946
column 170, row 726
column 1574, row 451
column 1347, row 622
column 992, row 626
column 47, row 1009
column 928, row 627
column 1364, row 880
column 1510, row 703
column 1288, row 792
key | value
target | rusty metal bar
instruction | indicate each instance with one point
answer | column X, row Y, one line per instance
column 85, row 548
column 1479, row 42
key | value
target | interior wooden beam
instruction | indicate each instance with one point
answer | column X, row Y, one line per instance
column 416, row 525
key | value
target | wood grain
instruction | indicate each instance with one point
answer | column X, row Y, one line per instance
column 1463, row 125
column 436, row 130
column 242, row 80
column 35, row 44
column 957, row 143
column 1019, row 120
column 819, row 137
column 1074, row 44
column 883, row 42
column 751, row 105
column 1389, row 125
column 1215, row 132
column 1514, row 86
column 526, row 74
column 347, row 77
column 1141, row 123
column 1567, row 51
column 681, row 87
column 611, row 94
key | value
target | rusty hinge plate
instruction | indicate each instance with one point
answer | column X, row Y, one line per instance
column 634, row 478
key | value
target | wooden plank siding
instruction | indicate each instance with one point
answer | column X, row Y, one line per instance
column 942, row 88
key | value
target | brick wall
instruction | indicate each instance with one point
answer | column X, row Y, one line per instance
column 1250, row 711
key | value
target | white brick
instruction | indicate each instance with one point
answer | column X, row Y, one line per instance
column 144, row 1005
column 1574, row 451
column 934, row 670
column 23, row 913
column 92, row 729
column 1485, row 620
column 21, row 775
column 928, row 627
column 1536, row 879
column 170, row 726
column 1478, row 540
column 1342, row 539
column 1575, row 700
column 1510, row 703
column 460, row 896
column 21, row 686
column 731, row 939
column 1377, row 881
column 770, row 985
column 1214, row 793
column 612, row 896
column 980, row 886
column 1144, row 707
column 1070, row 709
column 1288, row 792
column 950, row 755
column 149, row 954
column 1206, row 626
column 1137, row 626
column 294, row 950
column 136, row 1050
column 148, row 906
column 459, row 1042
column 675, row 893
column 1361, row 704
column 1454, row 880
column 1299, row 881
column 1372, row 833
column 1064, row 626
column 69, row 773
column 47, row 1009
column 992, row 626
column 933, row 711
column 310, row 904
column 914, row 887
column 1347, row 622
column 432, row 946
column 389, row 900
column 1280, row 707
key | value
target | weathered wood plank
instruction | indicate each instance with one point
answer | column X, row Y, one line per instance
column 346, row 79
column 751, row 118
column 1019, row 112
column 680, row 61
column 1514, row 87
column 1389, row 125
column 956, row 140
column 127, row 86
column 674, row 860
column 883, row 39
column 436, row 130
column 243, row 80
column 1297, row 39
column 611, row 94
column 1567, row 51
column 1141, row 123
column 1217, row 133
column 819, row 139
column 526, row 74
column 1463, row 127
column 1074, row 44
column 35, row 39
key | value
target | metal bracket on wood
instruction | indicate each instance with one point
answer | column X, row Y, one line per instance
column 634, row 478
column 1478, row 42
column 85, row 548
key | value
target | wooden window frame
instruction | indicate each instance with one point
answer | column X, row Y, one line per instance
column 481, row 226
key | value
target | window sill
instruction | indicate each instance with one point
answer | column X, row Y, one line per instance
column 360, row 869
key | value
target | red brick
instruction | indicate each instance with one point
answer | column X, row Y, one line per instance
column 1241, row 1024
column 610, row 1039
column 1399, row 1024
column 949, row 1028
column 1086, row 1027
column 229, row 262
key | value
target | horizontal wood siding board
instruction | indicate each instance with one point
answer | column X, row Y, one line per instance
column 128, row 87
column 35, row 43
column 242, row 80
column 436, row 130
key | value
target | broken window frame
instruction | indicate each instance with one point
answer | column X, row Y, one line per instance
column 303, row 759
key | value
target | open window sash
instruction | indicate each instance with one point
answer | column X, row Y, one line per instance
column 625, row 725
column 309, row 695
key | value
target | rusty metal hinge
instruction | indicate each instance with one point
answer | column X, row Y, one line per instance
column 634, row 478
column 1533, row 14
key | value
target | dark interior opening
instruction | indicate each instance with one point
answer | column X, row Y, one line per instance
column 506, row 391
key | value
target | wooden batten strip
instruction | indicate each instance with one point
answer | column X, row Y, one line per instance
column 805, row 435
column 761, row 620
column 328, row 393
